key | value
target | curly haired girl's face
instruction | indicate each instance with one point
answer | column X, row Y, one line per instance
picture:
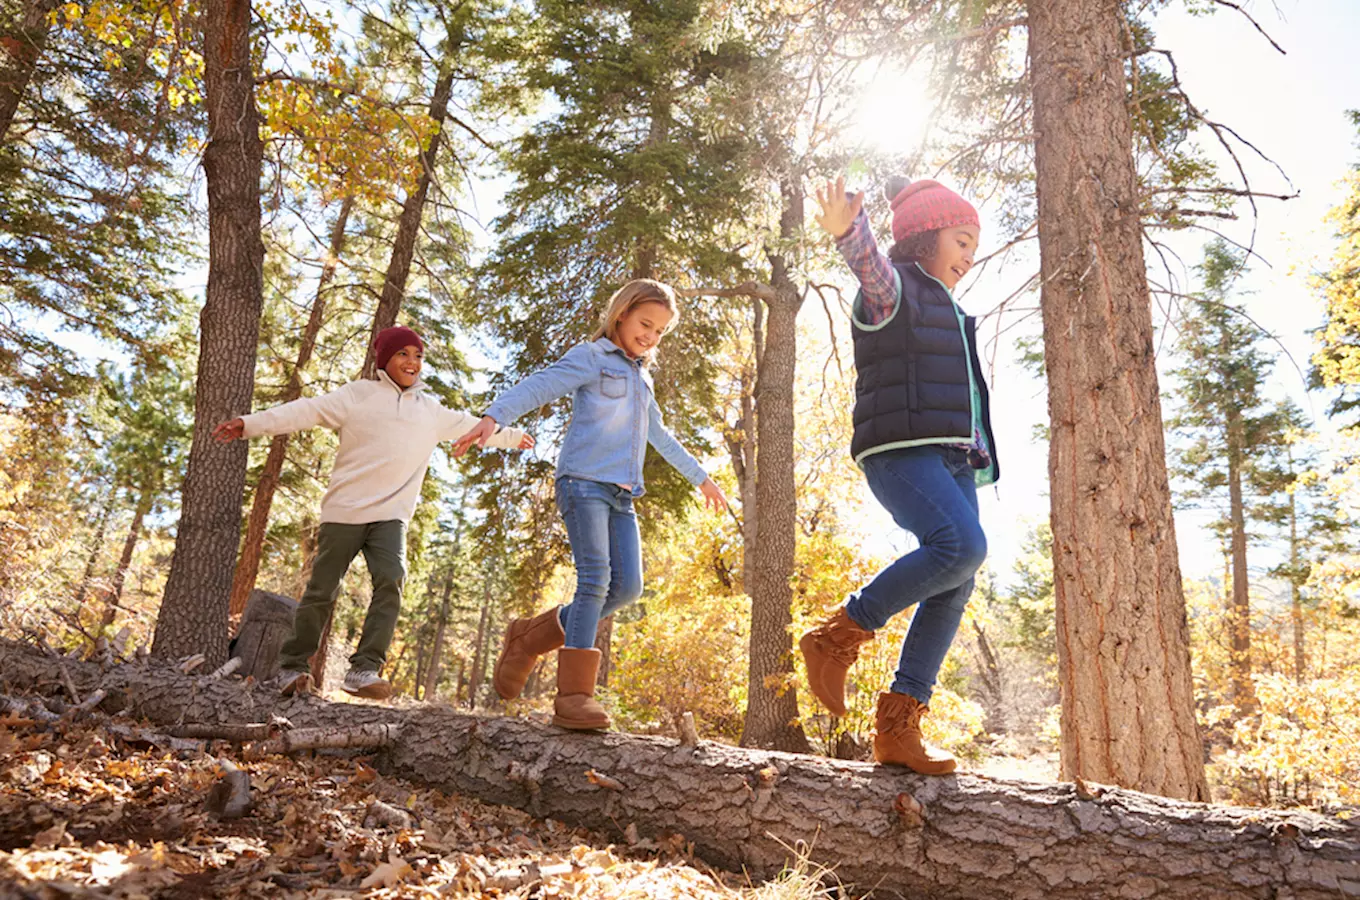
column 953, row 255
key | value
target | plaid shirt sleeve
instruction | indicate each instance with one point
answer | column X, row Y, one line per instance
column 878, row 280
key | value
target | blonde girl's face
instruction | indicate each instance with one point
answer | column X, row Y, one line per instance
column 641, row 328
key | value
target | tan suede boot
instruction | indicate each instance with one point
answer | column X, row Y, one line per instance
column 829, row 650
column 897, row 737
column 575, row 706
column 525, row 641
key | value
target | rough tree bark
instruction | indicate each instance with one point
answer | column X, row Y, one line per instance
column 900, row 834
column 772, row 700
column 193, row 615
column 1123, row 642
column 248, row 562
column 408, row 226
column 21, row 45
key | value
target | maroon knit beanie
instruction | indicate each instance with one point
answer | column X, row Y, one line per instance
column 390, row 340
column 927, row 205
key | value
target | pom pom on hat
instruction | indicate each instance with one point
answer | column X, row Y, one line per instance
column 390, row 340
column 926, row 205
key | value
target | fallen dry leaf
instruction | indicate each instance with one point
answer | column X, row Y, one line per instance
column 391, row 873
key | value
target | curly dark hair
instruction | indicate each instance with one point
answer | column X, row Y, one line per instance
column 917, row 247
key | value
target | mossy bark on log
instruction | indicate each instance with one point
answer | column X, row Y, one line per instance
column 889, row 830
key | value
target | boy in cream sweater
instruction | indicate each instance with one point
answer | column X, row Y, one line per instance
column 388, row 428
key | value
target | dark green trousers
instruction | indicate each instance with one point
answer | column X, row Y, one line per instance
column 384, row 547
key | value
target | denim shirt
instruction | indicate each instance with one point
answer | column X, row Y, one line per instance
column 613, row 416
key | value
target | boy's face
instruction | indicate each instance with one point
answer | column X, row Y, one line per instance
column 642, row 327
column 404, row 366
column 953, row 254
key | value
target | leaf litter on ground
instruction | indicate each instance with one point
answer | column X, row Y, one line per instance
column 85, row 813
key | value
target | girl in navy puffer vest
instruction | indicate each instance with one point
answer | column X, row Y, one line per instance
column 922, row 436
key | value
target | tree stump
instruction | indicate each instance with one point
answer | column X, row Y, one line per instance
column 267, row 621
column 265, row 626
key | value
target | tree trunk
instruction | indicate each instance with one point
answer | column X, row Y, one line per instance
column 437, row 652
column 1123, row 640
column 1239, row 609
column 319, row 660
column 408, row 226
column 1295, row 594
column 879, row 828
column 144, row 504
column 248, row 563
column 604, row 642
column 310, row 531
column 20, row 48
column 479, row 651
column 741, row 447
column 193, row 615
column 96, row 548
column 989, row 674
column 772, row 700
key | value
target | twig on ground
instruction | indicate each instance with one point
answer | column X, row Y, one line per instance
column 360, row 737
column 225, row 669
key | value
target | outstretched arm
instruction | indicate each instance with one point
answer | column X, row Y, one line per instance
column 544, row 386
column 456, row 424
column 307, row 412
column 843, row 216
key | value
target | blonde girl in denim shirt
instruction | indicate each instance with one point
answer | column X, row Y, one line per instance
column 599, row 475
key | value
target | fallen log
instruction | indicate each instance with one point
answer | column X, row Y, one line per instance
column 891, row 831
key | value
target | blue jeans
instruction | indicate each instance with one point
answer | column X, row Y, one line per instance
column 608, row 551
column 930, row 492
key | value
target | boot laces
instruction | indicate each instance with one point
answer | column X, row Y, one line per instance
column 843, row 654
column 842, row 644
column 907, row 723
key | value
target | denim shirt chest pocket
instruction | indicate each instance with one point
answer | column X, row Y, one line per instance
column 613, row 384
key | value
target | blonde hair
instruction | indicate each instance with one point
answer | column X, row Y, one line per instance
column 631, row 295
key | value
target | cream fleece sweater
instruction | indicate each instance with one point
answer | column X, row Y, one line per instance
column 386, row 438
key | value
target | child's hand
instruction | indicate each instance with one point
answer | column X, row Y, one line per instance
column 714, row 498
column 526, row 442
column 838, row 213
column 230, row 430
column 478, row 435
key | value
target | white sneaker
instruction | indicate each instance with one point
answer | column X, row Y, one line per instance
column 366, row 684
column 289, row 682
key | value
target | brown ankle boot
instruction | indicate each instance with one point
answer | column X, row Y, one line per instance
column 525, row 641
column 830, row 649
column 897, row 737
column 575, row 706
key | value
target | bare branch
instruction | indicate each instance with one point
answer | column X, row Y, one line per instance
column 754, row 289
column 1253, row 22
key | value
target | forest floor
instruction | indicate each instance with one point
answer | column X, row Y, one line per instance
column 86, row 813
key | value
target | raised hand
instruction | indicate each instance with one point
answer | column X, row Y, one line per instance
column 838, row 213
column 714, row 498
column 479, row 435
column 228, row 431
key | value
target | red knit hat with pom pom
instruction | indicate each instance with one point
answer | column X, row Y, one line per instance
column 927, row 205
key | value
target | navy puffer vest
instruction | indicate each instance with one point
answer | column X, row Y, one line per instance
column 913, row 386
